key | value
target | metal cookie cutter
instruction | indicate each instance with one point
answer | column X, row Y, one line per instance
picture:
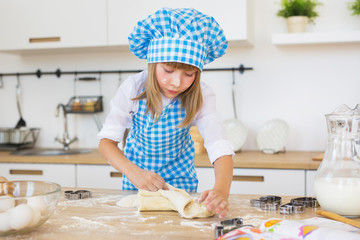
column 290, row 208
column 227, row 226
column 306, row 201
column 79, row 194
column 268, row 203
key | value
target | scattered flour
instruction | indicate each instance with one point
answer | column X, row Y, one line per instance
column 168, row 222
column 252, row 219
column 89, row 223
column 195, row 224
column 101, row 200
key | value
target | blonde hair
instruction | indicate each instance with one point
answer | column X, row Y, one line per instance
column 191, row 98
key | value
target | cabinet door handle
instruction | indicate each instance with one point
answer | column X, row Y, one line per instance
column 240, row 178
column 44, row 39
column 116, row 174
column 25, row 172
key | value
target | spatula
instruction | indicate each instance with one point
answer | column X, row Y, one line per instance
column 21, row 122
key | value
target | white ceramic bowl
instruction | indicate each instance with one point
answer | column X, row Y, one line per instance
column 25, row 205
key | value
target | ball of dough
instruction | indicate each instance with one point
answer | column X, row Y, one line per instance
column 20, row 216
column 4, row 222
column 6, row 202
column 37, row 202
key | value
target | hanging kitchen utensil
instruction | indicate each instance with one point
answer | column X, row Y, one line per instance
column 85, row 104
column 18, row 138
column 235, row 130
column 21, row 122
column 120, row 79
column 1, row 82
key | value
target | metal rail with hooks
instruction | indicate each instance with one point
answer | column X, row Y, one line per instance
column 59, row 73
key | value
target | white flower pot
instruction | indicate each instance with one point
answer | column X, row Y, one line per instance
column 297, row 24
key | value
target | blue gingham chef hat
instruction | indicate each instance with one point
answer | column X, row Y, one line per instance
column 178, row 35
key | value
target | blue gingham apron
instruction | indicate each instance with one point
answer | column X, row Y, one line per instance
column 162, row 147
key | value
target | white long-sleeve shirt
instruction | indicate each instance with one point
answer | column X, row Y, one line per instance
column 207, row 120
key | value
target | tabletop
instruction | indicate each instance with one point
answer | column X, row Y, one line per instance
column 100, row 218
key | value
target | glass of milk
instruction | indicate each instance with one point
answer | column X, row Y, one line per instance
column 337, row 180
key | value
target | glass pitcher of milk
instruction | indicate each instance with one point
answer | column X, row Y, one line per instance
column 337, row 180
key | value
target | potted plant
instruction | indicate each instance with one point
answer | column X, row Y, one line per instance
column 354, row 7
column 298, row 13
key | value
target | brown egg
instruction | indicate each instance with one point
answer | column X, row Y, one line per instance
column 5, row 187
column 2, row 179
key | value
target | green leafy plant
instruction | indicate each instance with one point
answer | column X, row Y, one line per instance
column 290, row 8
column 355, row 7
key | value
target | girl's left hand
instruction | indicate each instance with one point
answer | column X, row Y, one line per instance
column 217, row 200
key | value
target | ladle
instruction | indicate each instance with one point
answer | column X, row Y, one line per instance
column 21, row 122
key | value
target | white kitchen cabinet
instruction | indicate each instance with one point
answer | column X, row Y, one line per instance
column 98, row 176
column 206, row 178
column 44, row 24
column 258, row 181
column 233, row 15
column 63, row 174
column 310, row 179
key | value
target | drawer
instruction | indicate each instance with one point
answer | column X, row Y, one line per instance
column 258, row 181
column 63, row 174
column 98, row 176
column 269, row 182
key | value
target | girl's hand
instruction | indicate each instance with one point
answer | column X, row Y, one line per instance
column 217, row 200
column 147, row 180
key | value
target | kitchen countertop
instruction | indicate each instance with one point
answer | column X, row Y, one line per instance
column 100, row 218
column 242, row 159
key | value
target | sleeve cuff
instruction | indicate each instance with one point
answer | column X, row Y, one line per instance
column 219, row 149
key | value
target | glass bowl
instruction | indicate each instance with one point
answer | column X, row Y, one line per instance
column 25, row 205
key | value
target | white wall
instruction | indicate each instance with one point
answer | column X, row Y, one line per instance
column 298, row 84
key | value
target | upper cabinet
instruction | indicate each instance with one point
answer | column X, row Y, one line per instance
column 55, row 24
column 44, row 24
column 233, row 15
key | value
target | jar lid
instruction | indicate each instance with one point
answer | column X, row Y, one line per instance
column 344, row 120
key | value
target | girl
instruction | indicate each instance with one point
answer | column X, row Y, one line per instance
column 160, row 104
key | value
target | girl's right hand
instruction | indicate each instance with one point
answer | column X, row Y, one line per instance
column 147, row 180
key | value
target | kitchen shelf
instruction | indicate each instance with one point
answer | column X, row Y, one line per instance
column 84, row 104
column 308, row 38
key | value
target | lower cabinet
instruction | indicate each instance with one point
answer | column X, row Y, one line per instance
column 63, row 174
column 98, row 176
column 310, row 180
column 258, row 181
column 245, row 181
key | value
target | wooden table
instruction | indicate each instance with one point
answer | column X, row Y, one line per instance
column 100, row 218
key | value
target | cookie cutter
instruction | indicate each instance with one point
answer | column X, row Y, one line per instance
column 267, row 203
column 228, row 225
column 79, row 194
column 290, row 208
column 306, row 201
column 298, row 205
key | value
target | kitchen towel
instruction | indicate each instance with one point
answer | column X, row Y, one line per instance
column 310, row 229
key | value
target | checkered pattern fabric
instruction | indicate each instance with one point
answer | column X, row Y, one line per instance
column 162, row 147
column 178, row 35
